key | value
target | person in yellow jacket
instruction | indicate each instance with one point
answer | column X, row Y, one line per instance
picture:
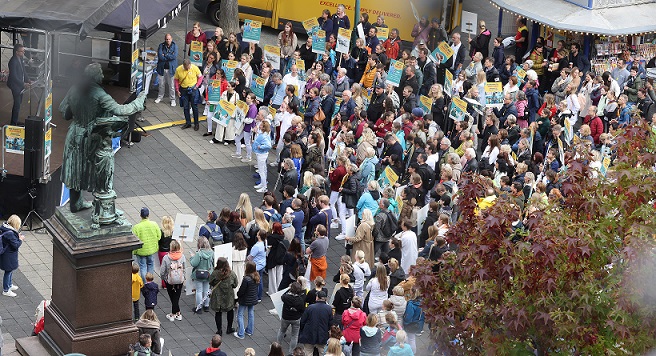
column 537, row 56
column 369, row 74
column 486, row 202
column 149, row 233
column 137, row 283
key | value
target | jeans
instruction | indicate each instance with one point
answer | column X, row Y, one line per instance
column 334, row 199
column 164, row 81
column 18, row 99
column 240, row 320
column 412, row 340
column 187, row 99
column 6, row 281
column 260, row 287
column 293, row 339
column 146, row 264
column 247, row 141
column 262, row 167
column 202, row 289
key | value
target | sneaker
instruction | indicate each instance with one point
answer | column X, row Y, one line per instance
column 257, row 171
column 214, row 140
column 9, row 293
column 334, row 225
column 273, row 164
column 340, row 237
column 198, row 311
column 13, row 287
column 186, row 126
column 246, row 160
column 206, row 309
column 207, row 134
column 262, row 190
column 237, row 336
column 243, row 145
column 249, row 334
column 158, row 100
column 171, row 317
column 225, row 143
column 230, row 331
column 258, row 186
column 234, row 155
column 178, row 317
column 273, row 312
column 173, row 103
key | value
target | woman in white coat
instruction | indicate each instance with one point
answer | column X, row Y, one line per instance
column 377, row 288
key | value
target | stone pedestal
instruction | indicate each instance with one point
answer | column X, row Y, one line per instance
column 91, row 310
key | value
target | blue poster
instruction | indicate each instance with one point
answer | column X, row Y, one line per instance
column 395, row 72
column 257, row 87
column 252, row 31
column 214, row 91
column 319, row 42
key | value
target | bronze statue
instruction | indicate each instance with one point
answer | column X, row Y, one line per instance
column 88, row 157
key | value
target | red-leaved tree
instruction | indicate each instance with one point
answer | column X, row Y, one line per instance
column 582, row 281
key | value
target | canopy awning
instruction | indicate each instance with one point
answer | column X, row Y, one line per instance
column 153, row 15
column 56, row 15
column 560, row 14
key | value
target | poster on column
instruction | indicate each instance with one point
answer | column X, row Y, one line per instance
column 425, row 103
column 493, row 95
column 214, row 91
column 442, row 53
column 448, row 82
column 47, row 144
column 311, row 25
column 272, row 54
column 319, row 42
column 229, row 68
column 15, row 139
column 135, row 29
column 48, row 116
column 257, row 87
column 343, row 40
column 469, row 23
column 252, row 31
column 196, row 53
column 395, row 72
column 382, row 33
column 458, row 109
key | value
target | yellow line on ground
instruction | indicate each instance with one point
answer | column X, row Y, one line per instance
column 169, row 124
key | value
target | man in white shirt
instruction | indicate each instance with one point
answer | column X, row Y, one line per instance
column 409, row 251
column 433, row 156
column 459, row 52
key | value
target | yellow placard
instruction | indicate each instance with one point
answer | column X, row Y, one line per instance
column 521, row 74
column 426, row 101
column 272, row 49
column 446, row 49
column 461, row 104
column 228, row 107
column 344, row 32
column 242, row 106
column 491, row 87
column 135, row 56
column 260, row 81
column 135, row 22
column 256, row 24
column 310, row 23
column 232, row 64
column 300, row 64
column 15, row 132
column 272, row 110
column 196, row 46
column 383, row 32
column 49, row 100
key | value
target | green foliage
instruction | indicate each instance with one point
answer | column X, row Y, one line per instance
column 582, row 280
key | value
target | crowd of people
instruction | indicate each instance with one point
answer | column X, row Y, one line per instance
column 350, row 146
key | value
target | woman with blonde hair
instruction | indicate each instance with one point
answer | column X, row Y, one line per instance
column 245, row 208
column 11, row 240
column 165, row 240
column 364, row 239
column 377, row 287
column 367, row 140
column 361, row 102
column 401, row 348
column 149, row 324
column 259, row 223
column 334, row 347
column 438, row 109
column 371, row 337
column 308, row 182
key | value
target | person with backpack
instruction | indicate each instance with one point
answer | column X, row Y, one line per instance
column 211, row 230
column 247, row 296
column 173, row 273
column 385, row 226
column 202, row 264
column 164, row 242
column 320, row 213
column 294, row 264
column 254, row 226
column 413, row 319
column 232, row 226
column 292, row 309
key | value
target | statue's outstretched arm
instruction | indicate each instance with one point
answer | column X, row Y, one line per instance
column 108, row 103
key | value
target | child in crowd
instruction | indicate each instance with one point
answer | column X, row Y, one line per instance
column 398, row 300
column 137, row 283
column 249, row 352
column 149, row 291
column 142, row 348
column 388, row 308
column 389, row 331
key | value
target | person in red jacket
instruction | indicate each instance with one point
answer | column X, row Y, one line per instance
column 336, row 176
column 353, row 319
column 595, row 123
column 392, row 45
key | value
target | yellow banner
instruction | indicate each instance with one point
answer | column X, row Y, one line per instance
column 461, row 104
column 15, row 132
column 491, row 87
column 272, row 111
column 196, row 46
column 231, row 64
column 344, row 32
column 242, row 106
column 300, row 64
column 260, row 81
column 445, row 49
column 383, row 32
column 228, row 107
column 275, row 50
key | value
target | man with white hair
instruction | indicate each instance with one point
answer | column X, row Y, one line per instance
column 472, row 164
column 459, row 53
column 341, row 82
column 347, row 107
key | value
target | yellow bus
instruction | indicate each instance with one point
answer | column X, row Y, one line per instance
column 397, row 13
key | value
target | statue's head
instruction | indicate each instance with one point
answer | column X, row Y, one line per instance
column 94, row 72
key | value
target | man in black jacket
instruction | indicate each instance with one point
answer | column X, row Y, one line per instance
column 269, row 86
column 289, row 175
column 306, row 53
column 315, row 325
column 376, row 106
column 292, row 310
column 472, row 165
column 17, row 80
column 392, row 147
column 491, row 73
column 427, row 67
column 508, row 108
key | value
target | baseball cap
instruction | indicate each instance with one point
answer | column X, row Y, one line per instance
column 418, row 112
column 144, row 212
column 322, row 295
column 379, row 86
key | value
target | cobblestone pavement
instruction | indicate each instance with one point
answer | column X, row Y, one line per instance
column 171, row 171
